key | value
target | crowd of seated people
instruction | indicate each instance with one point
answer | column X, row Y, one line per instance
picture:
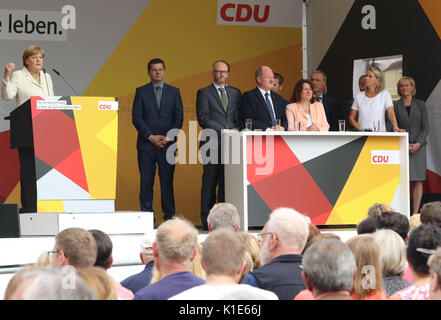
column 391, row 258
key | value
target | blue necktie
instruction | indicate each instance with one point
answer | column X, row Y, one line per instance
column 270, row 109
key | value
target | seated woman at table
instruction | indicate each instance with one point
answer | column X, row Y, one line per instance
column 372, row 104
column 305, row 110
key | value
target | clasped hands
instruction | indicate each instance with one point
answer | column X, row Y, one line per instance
column 159, row 141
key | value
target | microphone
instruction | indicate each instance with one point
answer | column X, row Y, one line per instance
column 45, row 77
column 59, row 74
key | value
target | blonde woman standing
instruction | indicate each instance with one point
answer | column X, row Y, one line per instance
column 372, row 104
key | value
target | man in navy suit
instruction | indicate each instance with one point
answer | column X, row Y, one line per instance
column 157, row 108
column 332, row 107
column 217, row 108
column 263, row 106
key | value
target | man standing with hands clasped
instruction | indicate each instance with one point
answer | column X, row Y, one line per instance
column 217, row 108
column 157, row 108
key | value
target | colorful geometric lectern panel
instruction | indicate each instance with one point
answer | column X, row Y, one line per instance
column 75, row 142
column 333, row 180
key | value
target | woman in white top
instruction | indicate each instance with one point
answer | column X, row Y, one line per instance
column 24, row 83
column 371, row 105
column 29, row 81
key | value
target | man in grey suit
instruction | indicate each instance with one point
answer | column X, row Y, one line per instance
column 217, row 108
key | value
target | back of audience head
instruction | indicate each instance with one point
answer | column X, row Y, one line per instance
column 52, row 284
column 378, row 208
column 431, row 213
column 75, row 247
column 414, row 222
column 223, row 254
column 175, row 241
column 313, row 231
column 368, row 225
column 104, row 249
column 252, row 247
column 393, row 251
column 196, row 265
column 425, row 237
column 289, row 227
column 396, row 222
column 328, row 266
column 367, row 253
column 99, row 281
column 320, row 237
column 223, row 215
column 434, row 264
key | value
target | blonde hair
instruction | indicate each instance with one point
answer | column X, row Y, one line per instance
column 367, row 253
column 393, row 252
column 412, row 83
column 99, row 282
column 252, row 248
column 414, row 221
column 380, row 76
column 378, row 209
column 31, row 51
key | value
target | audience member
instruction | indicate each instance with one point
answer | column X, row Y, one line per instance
column 74, row 246
column 367, row 225
column 283, row 239
column 142, row 279
column 252, row 246
column 223, row 215
column 431, row 213
column 414, row 222
column 396, row 222
column 378, row 208
column 53, row 284
column 328, row 270
column 306, row 294
column 313, row 231
column 435, row 275
column 422, row 241
column 99, row 281
column 105, row 260
column 331, row 106
column 368, row 283
column 174, row 248
column 223, row 256
column 394, row 260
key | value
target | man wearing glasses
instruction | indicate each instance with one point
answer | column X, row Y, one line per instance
column 282, row 241
column 217, row 108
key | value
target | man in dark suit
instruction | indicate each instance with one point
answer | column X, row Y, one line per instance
column 263, row 106
column 157, row 108
column 332, row 107
column 217, row 108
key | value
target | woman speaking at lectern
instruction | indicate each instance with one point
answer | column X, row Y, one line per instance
column 32, row 80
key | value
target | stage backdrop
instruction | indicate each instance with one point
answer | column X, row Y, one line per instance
column 102, row 48
column 342, row 31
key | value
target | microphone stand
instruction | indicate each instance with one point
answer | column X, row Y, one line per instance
column 76, row 93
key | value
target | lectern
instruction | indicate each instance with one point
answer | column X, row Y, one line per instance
column 75, row 144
